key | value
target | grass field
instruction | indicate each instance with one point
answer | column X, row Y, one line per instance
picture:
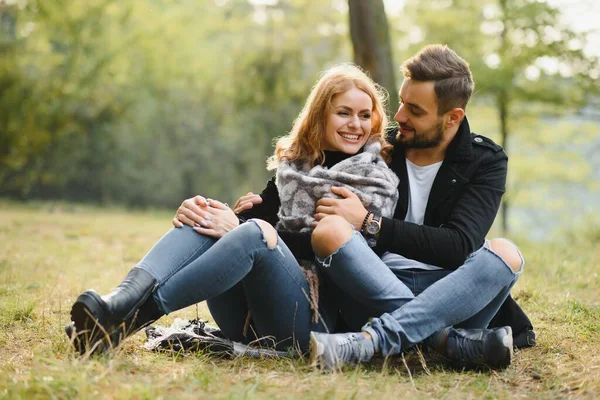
column 49, row 254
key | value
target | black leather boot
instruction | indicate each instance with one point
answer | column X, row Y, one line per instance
column 469, row 348
column 102, row 322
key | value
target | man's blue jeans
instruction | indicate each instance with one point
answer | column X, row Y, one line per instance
column 236, row 274
column 409, row 306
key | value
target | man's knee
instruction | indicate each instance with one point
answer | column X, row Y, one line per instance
column 269, row 233
column 330, row 234
column 508, row 251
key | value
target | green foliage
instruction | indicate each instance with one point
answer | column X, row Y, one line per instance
column 518, row 49
column 148, row 101
column 64, row 98
column 533, row 71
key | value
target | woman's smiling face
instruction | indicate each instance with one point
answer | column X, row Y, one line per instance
column 348, row 125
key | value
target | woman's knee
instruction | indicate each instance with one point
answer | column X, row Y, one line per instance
column 508, row 251
column 330, row 234
column 268, row 231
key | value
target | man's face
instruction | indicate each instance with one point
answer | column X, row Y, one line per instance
column 420, row 126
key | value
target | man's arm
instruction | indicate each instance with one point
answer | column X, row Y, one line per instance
column 246, row 202
column 264, row 206
column 464, row 231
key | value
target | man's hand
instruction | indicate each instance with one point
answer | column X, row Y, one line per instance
column 246, row 202
column 220, row 220
column 349, row 207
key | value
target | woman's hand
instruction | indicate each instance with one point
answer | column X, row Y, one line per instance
column 206, row 216
column 349, row 207
column 191, row 211
column 217, row 221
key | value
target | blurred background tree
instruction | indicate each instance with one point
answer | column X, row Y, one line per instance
column 532, row 70
column 370, row 36
column 147, row 102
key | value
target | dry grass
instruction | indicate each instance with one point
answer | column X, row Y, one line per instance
column 49, row 254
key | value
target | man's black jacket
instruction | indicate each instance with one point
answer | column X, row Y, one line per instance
column 463, row 203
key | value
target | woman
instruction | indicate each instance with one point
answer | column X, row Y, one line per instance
column 250, row 278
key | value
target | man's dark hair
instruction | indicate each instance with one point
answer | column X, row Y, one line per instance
column 451, row 74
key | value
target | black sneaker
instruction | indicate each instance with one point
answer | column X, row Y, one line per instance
column 480, row 347
column 332, row 351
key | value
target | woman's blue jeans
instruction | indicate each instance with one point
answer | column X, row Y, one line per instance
column 408, row 306
column 236, row 274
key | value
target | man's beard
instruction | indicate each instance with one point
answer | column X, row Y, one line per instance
column 425, row 140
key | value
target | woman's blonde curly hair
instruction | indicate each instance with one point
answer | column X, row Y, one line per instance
column 305, row 140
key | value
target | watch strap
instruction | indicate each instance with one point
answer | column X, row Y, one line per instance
column 363, row 227
column 373, row 237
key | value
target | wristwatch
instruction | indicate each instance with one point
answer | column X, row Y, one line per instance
column 372, row 231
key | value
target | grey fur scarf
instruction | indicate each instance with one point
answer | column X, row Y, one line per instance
column 366, row 174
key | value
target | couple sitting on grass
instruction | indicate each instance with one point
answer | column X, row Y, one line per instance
column 377, row 230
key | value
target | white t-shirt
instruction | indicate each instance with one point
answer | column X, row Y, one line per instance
column 420, row 181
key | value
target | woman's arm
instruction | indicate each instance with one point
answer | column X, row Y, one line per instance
column 194, row 212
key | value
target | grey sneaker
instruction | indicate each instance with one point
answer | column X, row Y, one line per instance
column 332, row 351
column 475, row 347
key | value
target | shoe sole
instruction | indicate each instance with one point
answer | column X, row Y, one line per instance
column 508, row 342
column 88, row 318
column 316, row 350
column 72, row 335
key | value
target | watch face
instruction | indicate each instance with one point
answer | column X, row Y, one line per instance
column 373, row 228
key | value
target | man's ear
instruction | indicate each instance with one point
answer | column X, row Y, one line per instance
column 454, row 117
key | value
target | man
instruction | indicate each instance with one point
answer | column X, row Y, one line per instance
column 451, row 184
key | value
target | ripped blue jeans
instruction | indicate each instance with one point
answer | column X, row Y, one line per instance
column 408, row 306
column 236, row 274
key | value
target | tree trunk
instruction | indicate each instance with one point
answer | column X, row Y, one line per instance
column 503, row 107
column 503, row 115
column 371, row 44
column 8, row 21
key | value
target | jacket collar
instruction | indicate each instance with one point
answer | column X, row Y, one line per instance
column 461, row 148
